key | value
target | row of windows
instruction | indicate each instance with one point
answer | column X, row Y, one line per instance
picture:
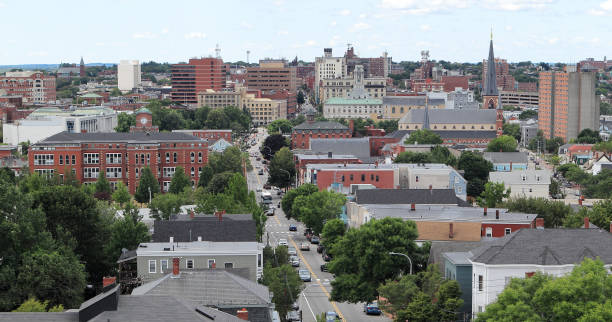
column 363, row 178
column 189, row 264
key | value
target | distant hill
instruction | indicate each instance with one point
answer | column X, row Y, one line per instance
column 45, row 66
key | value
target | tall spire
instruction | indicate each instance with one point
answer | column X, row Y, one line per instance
column 489, row 81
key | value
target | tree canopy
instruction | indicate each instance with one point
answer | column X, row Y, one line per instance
column 289, row 197
column 423, row 136
column 315, row 209
column 504, row 143
column 280, row 126
column 282, row 168
column 148, row 186
column 180, row 181
column 513, row 130
column 493, row 195
column 588, row 136
column 437, row 154
column 476, row 171
column 272, row 144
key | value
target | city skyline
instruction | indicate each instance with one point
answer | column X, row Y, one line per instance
column 458, row 31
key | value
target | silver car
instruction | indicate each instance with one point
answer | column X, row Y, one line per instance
column 304, row 275
column 295, row 261
column 291, row 251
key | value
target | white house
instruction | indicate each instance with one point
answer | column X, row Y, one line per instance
column 524, row 183
column 521, row 254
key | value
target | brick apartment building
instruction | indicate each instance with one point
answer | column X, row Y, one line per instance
column 272, row 75
column 283, row 94
column 210, row 135
column 122, row 156
column 196, row 76
column 33, row 87
column 452, row 82
column 301, row 135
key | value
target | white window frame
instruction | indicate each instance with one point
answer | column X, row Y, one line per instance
column 507, row 231
column 90, row 158
column 188, row 261
column 489, row 232
column 163, row 265
column 154, row 266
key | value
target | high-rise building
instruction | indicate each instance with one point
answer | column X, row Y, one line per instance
column 128, row 75
column 272, row 75
column 33, row 87
column 198, row 75
column 490, row 94
column 567, row 103
column 328, row 67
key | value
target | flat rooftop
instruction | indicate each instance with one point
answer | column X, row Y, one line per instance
column 445, row 213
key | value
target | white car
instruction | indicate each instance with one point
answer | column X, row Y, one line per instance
column 282, row 242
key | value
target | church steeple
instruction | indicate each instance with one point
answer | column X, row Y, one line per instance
column 490, row 81
column 490, row 95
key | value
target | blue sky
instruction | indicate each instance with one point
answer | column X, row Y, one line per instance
column 106, row 31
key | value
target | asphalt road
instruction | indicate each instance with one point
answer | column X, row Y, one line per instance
column 314, row 299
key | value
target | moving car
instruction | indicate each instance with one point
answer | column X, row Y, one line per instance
column 320, row 248
column 291, row 251
column 260, row 172
column 304, row 275
column 282, row 242
column 326, row 257
column 331, row 316
column 266, row 186
column 324, row 268
column 293, row 316
column 304, row 246
column 292, row 227
column 270, row 212
column 295, row 261
column 372, row 308
column 315, row 239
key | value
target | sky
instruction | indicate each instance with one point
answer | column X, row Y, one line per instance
column 43, row 31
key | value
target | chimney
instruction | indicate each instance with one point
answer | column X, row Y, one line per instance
column 430, row 187
column 586, row 222
column 451, row 234
column 242, row 314
column 213, row 265
column 199, row 238
column 540, row 223
column 171, row 239
column 412, row 207
column 175, row 267
column 351, row 126
column 191, row 214
column 329, row 154
column 510, row 165
column 484, row 211
column 106, row 281
column 497, row 214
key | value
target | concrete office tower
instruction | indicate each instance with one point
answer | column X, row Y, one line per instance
column 194, row 77
column 128, row 75
column 328, row 67
column 568, row 103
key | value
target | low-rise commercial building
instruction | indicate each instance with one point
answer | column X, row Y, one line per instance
column 301, row 135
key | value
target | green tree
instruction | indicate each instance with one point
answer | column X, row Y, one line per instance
column 219, row 182
column 300, row 98
column 605, row 108
column 601, row 214
column 504, row 143
column 332, row 231
column 413, row 157
column 217, row 119
column 205, row 176
column 513, row 130
column 298, row 120
column 315, row 209
column 165, row 205
column 493, row 195
column 282, row 168
column 281, row 126
column 229, row 160
column 121, row 195
column 389, row 126
column 179, row 182
column 124, row 121
column 423, row 136
column 127, row 232
column 603, row 146
column 553, row 212
column 33, row 305
column 588, row 136
column 574, row 297
column 362, row 262
column 285, row 285
column 476, row 171
column 528, row 114
column 289, row 198
column 148, row 186
column 115, row 92
column 272, row 144
column 103, row 188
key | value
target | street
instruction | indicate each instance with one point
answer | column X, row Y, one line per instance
column 314, row 299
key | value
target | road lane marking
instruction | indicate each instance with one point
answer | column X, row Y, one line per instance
column 308, row 303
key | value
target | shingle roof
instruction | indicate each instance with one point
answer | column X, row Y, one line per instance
column 547, row 247
column 506, row 157
column 411, row 100
column 317, row 126
column 39, row 316
column 233, row 228
column 450, row 116
column 151, row 308
column 439, row 247
column 64, row 137
column 466, row 134
column 406, row 196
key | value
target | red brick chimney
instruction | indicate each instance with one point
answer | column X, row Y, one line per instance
column 191, row 214
column 242, row 314
column 497, row 214
column 451, row 233
column 351, row 126
column 586, row 222
column 412, row 206
column 175, row 267
column 484, row 211
column 106, row 281
column 540, row 223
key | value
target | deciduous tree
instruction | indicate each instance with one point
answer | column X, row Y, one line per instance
column 282, row 168
column 493, row 195
column 103, row 188
column 289, row 197
column 272, row 144
column 148, row 186
column 504, row 143
column 423, row 136
column 315, row 209
column 121, row 195
column 179, row 182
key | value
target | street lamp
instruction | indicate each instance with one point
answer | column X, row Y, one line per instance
column 400, row 254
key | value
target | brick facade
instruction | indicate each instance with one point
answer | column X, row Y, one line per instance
column 380, row 178
column 196, row 76
column 33, row 87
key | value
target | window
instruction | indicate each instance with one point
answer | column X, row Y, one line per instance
column 166, row 185
column 163, row 265
column 489, row 232
column 189, row 263
column 113, row 158
column 371, row 177
column 192, row 157
column 113, row 173
column 200, row 155
column 480, row 283
column 416, row 178
column 167, row 157
column 88, row 158
column 362, row 177
column 229, row 265
column 376, row 178
column 174, row 155
column 258, row 260
column 136, row 170
column 351, row 177
column 148, row 158
column 507, row 231
column 479, row 308
column 169, row 172
column 73, row 159
column 44, row 172
column 342, row 178
column 61, row 160
column 142, row 158
column 192, row 171
column 211, row 263
column 152, row 266
column 91, row 172
column 43, row 159
column 136, row 157
column 523, row 177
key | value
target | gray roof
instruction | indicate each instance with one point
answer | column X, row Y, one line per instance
column 233, row 228
column 467, row 134
column 446, row 213
column 506, row 157
column 211, row 287
column 320, row 126
column 547, row 247
column 411, row 100
column 359, row 147
column 407, row 196
column 147, row 308
column 39, row 316
column 439, row 247
column 532, row 177
column 66, row 137
column 398, row 134
column 127, row 255
column 458, row 258
column 450, row 116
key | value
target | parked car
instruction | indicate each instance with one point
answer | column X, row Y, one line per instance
column 280, row 192
column 320, row 248
column 264, row 162
column 258, row 159
column 327, row 257
column 307, row 231
column 270, row 212
column 324, row 268
column 282, row 242
column 331, row 316
column 304, row 275
column 295, row 261
column 315, row 239
column 372, row 308
column 266, row 186
column 260, row 172
column 291, row 250
column 258, row 189
column 304, row 246
column 292, row 227
column 293, row 316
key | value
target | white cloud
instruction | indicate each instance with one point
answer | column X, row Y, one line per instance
column 417, row 7
column 309, row 43
column 605, row 8
column 195, row 35
column 425, row 27
column 333, row 23
column 143, row 35
column 279, row 3
column 282, row 32
column 363, row 16
column 515, row 5
column 345, row 12
column 553, row 40
column 508, row 28
column 360, row 26
column 41, row 53
column 246, row 25
column 164, row 31
column 2, row 4
column 334, row 40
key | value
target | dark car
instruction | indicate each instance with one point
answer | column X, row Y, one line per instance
column 261, row 172
column 372, row 308
column 324, row 268
column 315, row 239
column 307, row 231
column 267, row 186
column 320, row 248
column 327, row 257
column 264, row 162
column 292, row 227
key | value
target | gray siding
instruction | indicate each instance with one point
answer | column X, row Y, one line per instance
column 200, row 262
column 463, row 275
